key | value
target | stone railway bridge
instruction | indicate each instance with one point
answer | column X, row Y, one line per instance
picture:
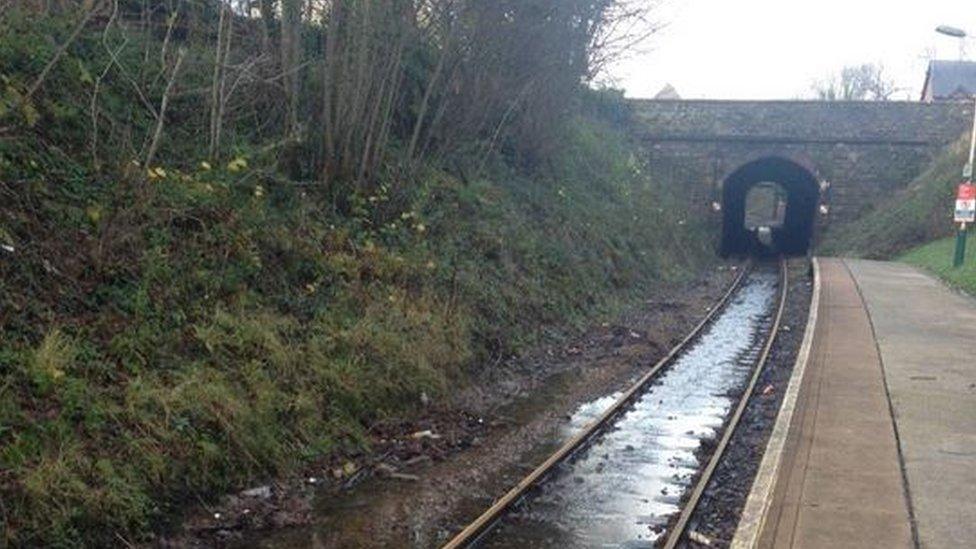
column 834, row 160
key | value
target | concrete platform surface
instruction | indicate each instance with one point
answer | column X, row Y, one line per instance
column 927, row 337
column 840, row 481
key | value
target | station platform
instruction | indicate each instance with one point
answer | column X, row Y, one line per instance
column 876, row 441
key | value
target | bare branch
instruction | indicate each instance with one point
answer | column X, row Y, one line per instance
column 162, row 107
column 61, row 50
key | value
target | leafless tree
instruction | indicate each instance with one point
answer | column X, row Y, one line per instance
column 217, row 100
column 366, row 83
column 621, row 29
column 291, row 51
column 164, row 103
column 866, row 82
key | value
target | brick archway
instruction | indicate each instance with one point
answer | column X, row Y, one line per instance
column 802, row 195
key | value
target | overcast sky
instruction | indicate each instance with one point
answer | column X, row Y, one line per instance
column 776, row 49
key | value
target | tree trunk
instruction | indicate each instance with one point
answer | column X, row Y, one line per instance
column 291, row 32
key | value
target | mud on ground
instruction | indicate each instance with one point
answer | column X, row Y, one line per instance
column 426, row 477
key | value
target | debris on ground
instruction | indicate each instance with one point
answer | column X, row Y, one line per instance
column 425, row 434
column 347, row 470
column 385, row 469
column 261, row 492
column 404, row 476
column 700, row 538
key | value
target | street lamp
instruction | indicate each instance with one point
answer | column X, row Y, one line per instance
column 954, row 32
column 951, row 31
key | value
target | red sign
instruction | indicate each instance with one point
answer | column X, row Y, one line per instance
column 965, row 204
column 967, row 191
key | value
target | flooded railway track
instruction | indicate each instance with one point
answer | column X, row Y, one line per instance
column 630, row 472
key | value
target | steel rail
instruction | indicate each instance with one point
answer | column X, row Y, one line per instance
column 676, row 532
column 480, row 525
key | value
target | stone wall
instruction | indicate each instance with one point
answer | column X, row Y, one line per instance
column 807, row 121
column 864, row 149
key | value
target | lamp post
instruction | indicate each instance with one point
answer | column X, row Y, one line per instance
column 967, row 171
column 967, row 176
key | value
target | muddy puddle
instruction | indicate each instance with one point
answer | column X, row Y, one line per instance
column 621, row 491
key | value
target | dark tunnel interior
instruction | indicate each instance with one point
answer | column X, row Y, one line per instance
column 794, row 235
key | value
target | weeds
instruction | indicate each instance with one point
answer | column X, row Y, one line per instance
column 213, row 335
column 180, row 330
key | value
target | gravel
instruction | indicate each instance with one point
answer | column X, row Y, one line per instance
column 718, row 511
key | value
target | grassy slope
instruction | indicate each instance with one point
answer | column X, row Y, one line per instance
column 920, row 213
column 937, row 256
column 186, row 329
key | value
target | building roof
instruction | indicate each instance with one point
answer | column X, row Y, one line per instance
column 667, row 92
column 950, row 80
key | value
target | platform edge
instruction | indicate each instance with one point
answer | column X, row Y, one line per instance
column 753, row 518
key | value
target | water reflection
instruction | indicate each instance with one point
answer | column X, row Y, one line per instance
column 624, row 487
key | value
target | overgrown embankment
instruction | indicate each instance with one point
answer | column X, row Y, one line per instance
column 178, row 321
column 920, row 213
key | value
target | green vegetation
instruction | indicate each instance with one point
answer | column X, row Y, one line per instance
column 180, row 327
column 937, row 257
column 920, row 213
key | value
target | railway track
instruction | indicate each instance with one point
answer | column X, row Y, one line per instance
column 577, row 443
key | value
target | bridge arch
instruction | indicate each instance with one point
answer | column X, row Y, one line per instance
column 802, row 193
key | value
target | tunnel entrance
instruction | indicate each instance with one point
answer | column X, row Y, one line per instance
column 768, row 207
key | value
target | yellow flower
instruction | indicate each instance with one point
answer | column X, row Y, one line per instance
column 237, row 164
column 94, row 213
column 156, row 173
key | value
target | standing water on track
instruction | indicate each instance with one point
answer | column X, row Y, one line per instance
column 623, row 487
